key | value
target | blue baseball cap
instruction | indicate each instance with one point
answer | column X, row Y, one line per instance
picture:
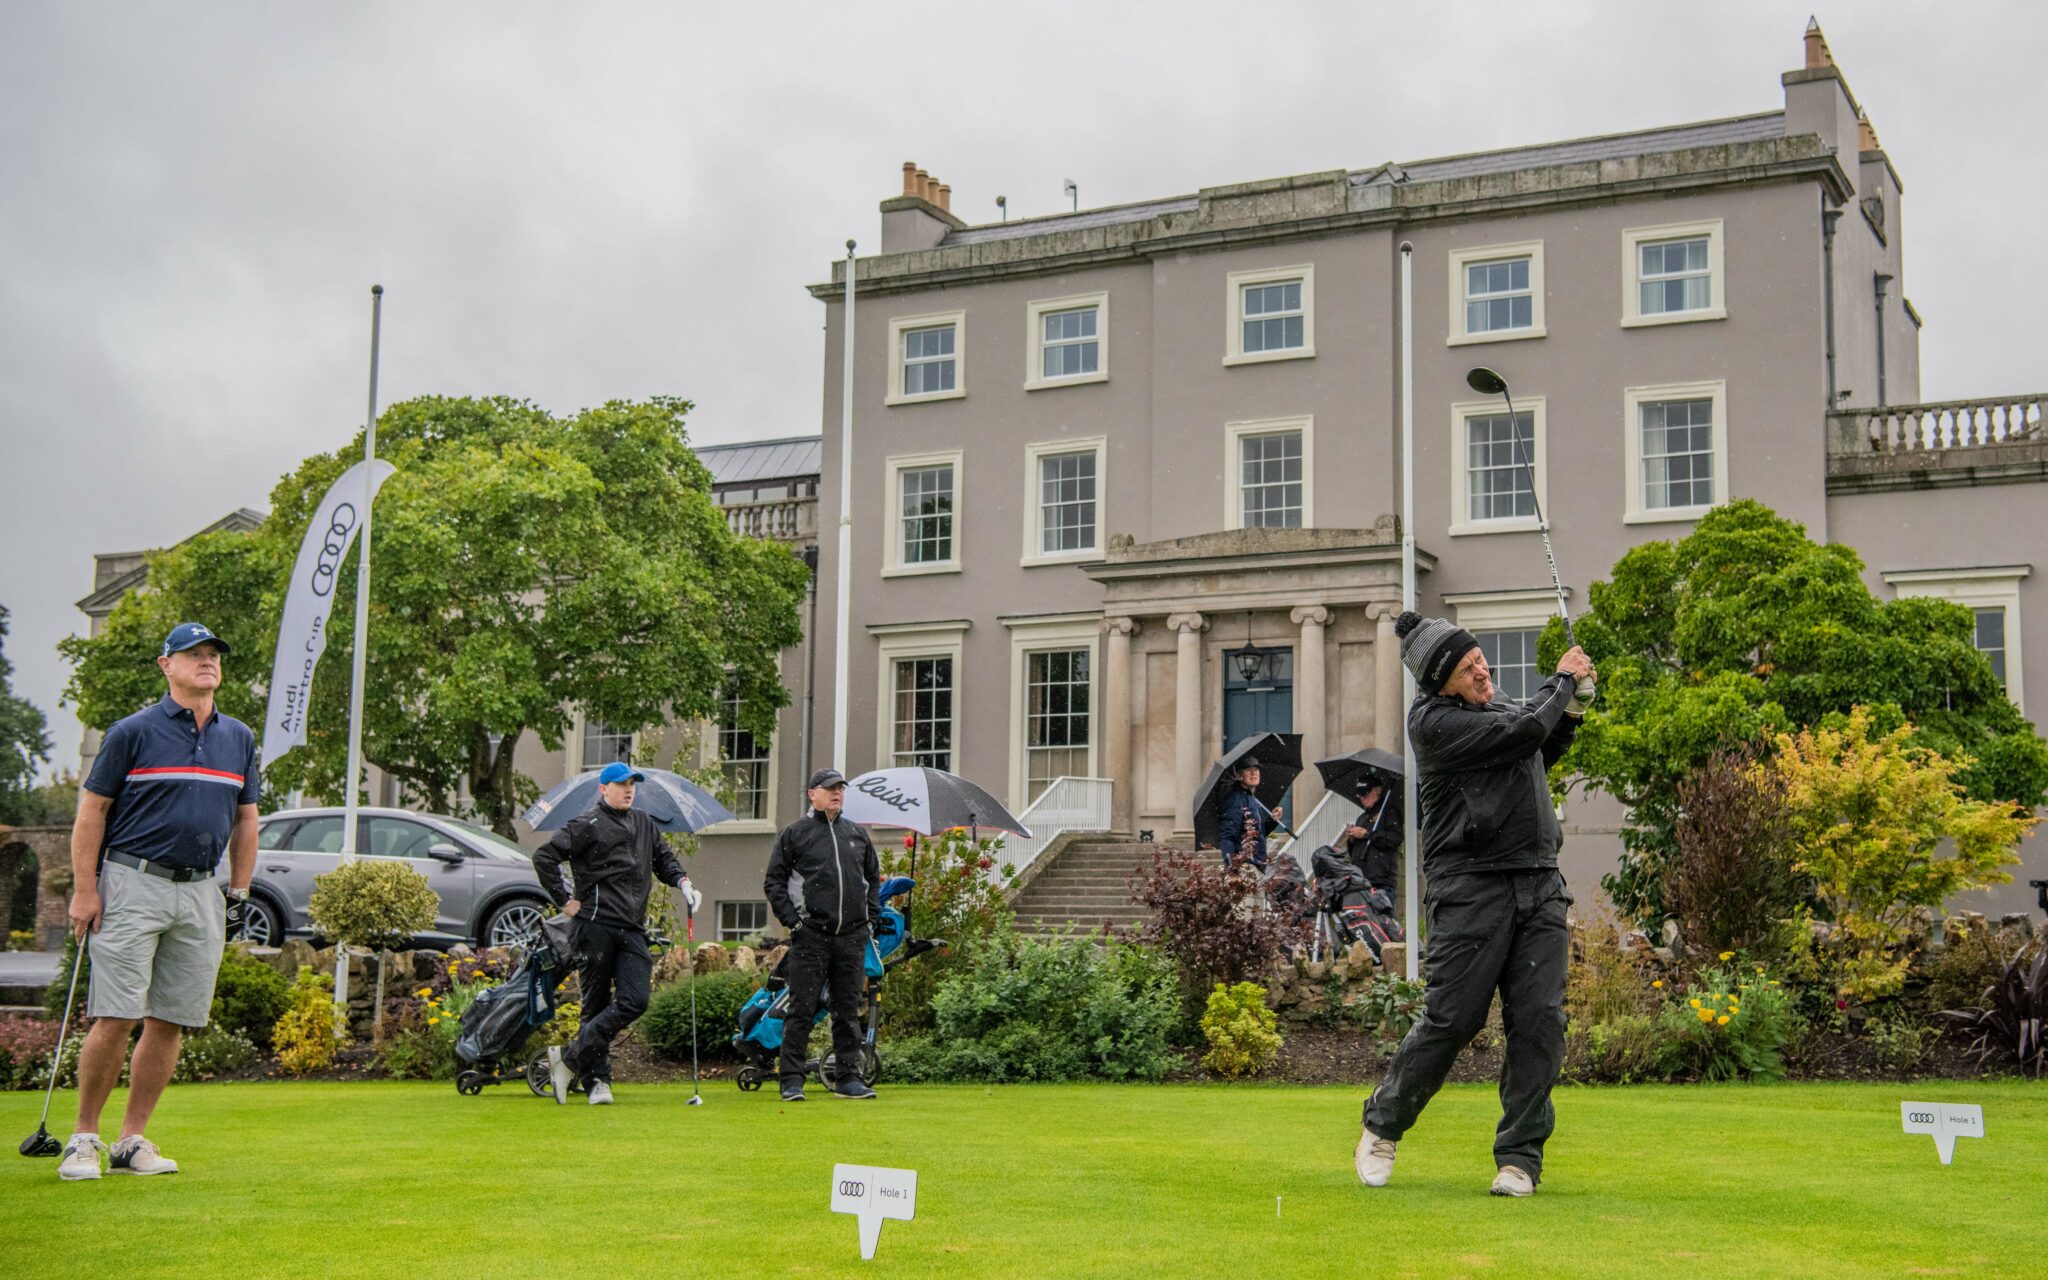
column 186, row 634
column 619, row 771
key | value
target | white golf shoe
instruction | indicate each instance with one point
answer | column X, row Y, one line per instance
column 1374, row 1159
column 139, row 1155
column 81, row 1158
column 600, row 1093
column 1511, row 1181
column 560, row 1073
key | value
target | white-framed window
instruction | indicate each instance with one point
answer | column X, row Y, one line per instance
column 1673, row 274
column 1507, row 625
column 1063, row 487
column 742, row 921
column 1067, row 342
column 1496, row 293
column 748, row 764
column 1992, row 595
column 1675, row 450
column 601, row 744
column 927, row 358
column 1498, row 472
column 1272, row 315
column 923, row 512
column 920, row 668
column 1052, row 700
column 1269, row 474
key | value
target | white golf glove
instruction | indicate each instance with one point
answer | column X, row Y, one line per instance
column 1582, row 696
column 691, row 896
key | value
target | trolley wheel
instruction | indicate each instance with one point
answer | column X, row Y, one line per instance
column 748, row 1079
column 537, row 1077
column 870, row 1066
column 469, row 1084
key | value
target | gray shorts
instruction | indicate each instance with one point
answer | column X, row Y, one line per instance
column 158, row 948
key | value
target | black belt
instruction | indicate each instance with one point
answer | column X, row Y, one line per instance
column 176, row 875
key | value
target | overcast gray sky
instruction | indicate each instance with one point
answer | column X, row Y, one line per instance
column 574, row 203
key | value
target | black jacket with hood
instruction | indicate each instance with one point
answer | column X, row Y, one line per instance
column 833, row 865
column 615, row 855
column 1481, row 779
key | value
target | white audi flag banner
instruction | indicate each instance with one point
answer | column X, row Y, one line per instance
column 302, row 635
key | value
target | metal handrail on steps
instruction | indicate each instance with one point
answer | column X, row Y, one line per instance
column 1066, row 804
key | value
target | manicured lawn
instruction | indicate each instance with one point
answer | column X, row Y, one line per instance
column 1154, row 1182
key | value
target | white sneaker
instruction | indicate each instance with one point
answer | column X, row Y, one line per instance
column 1511, row 1181
column 600, row 1093
column 81, row 1158
column 560, row 1073
column 139, row 1155
column 1374, row 1159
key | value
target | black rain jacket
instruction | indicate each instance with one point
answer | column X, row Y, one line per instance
column 1481, row 779
column 615, row 855
column 836, row 869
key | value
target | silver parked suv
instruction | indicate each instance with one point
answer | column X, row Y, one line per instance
column 489, row 893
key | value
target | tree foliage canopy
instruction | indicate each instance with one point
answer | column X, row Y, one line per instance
column 523, row 565
column 1746, row 628
column 23, row 742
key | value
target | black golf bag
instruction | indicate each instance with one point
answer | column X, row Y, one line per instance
column 1287, row 892
column 1358, row 911
column 497, row 1023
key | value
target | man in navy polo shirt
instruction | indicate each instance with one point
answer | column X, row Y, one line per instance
column 173, row 787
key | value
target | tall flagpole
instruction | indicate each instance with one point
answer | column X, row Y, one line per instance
column 1412, row 871
column 362, row 638
column 843, row 620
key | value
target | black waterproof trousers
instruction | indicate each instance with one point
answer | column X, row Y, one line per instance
column 617, row 972
column 1488, row 931
column 818, row 959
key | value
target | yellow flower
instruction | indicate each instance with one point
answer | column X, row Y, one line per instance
column 1759, row 968
column 1658, row 983
column 1694, row 1002
column 433, row 1021
column 1706, row 1015
column 1727, row 956
column 1722, row 1020
column 425, row 992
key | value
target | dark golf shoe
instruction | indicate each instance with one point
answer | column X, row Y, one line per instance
column 792, row 1093
column 851, row 1087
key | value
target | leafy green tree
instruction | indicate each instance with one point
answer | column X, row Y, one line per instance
column 377, row 903
column 1746, row 628
column 23, row 742
column 525, row 565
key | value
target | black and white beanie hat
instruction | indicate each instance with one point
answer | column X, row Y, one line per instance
column 1431, row 648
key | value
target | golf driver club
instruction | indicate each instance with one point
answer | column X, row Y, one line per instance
column 1488, row 383
column 40, row 1143
column 690, row 933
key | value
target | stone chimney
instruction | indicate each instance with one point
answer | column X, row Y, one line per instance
column 921, row 216
column 1817, row 54
column 1866, row 133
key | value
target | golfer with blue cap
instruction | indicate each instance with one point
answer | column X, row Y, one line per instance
column 616, row 854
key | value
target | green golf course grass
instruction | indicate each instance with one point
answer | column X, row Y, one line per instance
column 387, row 1179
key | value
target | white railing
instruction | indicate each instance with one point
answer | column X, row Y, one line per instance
column 1323, row 825
column 1066, row 804
column 783, row 520
column 1927, row 428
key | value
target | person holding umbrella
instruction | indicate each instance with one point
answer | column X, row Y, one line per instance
column 1495, row 901
column 616, row 853
column 1242, row 823
column 836, row 875
column 1373, row 839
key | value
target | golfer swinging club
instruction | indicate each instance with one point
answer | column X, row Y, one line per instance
column 1495, row 899
column 616, row 853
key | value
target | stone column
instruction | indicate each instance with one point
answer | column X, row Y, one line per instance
column 1386, row 680
column 1311, row 707
column 1187, row 715
column 1115, row 717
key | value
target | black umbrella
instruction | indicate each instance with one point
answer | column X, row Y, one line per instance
column 1279, row 757
column 1341, row 773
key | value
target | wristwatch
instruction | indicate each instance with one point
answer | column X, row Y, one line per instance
column 233, row 894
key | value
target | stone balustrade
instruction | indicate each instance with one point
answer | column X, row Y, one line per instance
column 781, row 520
column 1954, row 443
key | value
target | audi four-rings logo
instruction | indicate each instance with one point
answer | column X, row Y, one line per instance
column 851, row 1188
column 1920, row 1117
column 334, row 543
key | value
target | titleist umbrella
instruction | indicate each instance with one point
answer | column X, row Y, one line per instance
column 673, row 801
column 1279, row 757
column 926, row 801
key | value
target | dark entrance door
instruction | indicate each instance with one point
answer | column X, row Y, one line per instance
column 1264, row 704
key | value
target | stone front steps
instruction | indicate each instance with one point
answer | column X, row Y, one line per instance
column 1082, row 886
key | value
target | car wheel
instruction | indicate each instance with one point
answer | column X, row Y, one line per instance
column 513, row 924
column 261, row 926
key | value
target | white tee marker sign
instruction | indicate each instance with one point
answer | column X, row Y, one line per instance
column 1947, row 1121
column 872, row 1194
